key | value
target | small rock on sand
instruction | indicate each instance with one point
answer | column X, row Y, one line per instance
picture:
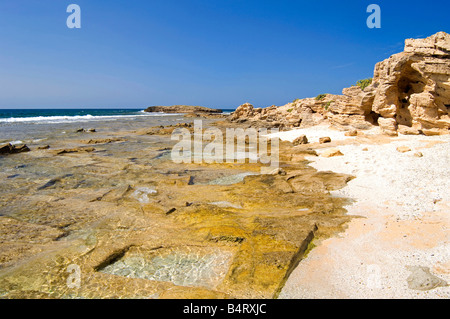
column 403, row 149
column 324, row 140
column 351, row 133
column 422, row 279
column 302, row 139
column 331, row 153
column 405, row 130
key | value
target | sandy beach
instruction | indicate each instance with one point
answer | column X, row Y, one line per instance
column 402, row 203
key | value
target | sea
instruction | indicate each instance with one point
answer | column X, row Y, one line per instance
column 20, row 125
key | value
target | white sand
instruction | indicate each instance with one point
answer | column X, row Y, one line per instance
column 404, row 202
column 313, row 134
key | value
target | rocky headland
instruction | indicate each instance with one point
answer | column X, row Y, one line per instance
column 182, row 109
column 409, row 94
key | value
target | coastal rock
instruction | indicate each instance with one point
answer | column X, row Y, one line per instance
column 349, row 121
column 5, row 148
column 139, row 230
column 433, row 132
column 104, row 140
column 403, row 149
column 409, row 93
column 351, row 133
column 405, row 130
column 331, row 153
column 273, row 171
column 422, row 279
column 181, row 109
column 245, row 110
column 354, row 101
column 20, row 148
column 205, row 115
column 388, row 126
column 165, row 130
column 82, row 130
column 13, row 149
column 412, row 87
column 75, row 150
column 302, row 139
column 324, row 140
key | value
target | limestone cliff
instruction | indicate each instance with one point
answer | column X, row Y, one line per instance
column 410, row 93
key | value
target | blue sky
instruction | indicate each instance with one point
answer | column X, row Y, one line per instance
column 133, row 53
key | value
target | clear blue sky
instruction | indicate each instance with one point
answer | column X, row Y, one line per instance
column 136, row 53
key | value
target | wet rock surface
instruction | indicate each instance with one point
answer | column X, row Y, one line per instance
column 13, row 149
column 232, row 232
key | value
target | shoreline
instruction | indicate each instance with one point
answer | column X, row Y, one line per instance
column 136, row 224
column 355, row 244
column 402, row 205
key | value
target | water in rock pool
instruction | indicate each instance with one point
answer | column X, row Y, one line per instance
column 106, row 213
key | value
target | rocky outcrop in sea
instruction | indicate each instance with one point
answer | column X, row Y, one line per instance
column 182, row 109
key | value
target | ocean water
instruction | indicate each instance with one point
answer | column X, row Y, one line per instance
column 33, row 124
column 71, row 115
column 37, row 116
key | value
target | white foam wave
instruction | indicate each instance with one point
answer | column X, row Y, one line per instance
column 16, row 142
column 77, row 118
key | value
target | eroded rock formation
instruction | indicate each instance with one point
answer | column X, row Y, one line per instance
column 410, row 94
column 13, row 149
